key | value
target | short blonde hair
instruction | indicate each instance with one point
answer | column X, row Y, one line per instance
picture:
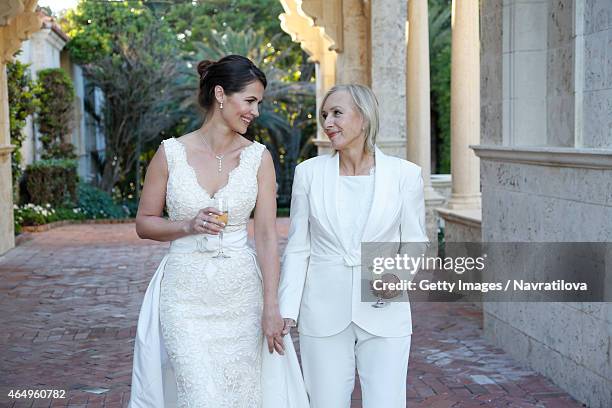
column 366, row 103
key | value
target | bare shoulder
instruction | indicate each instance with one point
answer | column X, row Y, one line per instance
column 266, row 156
column 187, row 139
column 266, row 166
column 159, row 160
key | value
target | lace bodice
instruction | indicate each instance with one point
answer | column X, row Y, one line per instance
column 185, row 196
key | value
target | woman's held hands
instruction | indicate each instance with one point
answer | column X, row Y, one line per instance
column 289, row 323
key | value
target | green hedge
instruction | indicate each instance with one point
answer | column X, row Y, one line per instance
column 22, row 103
column 55, row 117
column 51, row 182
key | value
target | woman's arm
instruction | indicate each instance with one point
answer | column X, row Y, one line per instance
column 297, row 253
column 149, row 221
column 413, row 232
column 413, row 236
column 412, row 227
column 266, row 244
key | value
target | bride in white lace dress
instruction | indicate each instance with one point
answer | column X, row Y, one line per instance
column 207, row 324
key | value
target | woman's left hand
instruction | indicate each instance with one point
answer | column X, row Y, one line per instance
column 272, row 324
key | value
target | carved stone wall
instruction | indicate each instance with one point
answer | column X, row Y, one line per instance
column 18, row 21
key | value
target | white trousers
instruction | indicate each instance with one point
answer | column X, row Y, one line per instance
column 329, row 368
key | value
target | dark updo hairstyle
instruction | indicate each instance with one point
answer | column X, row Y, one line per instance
column 233, row 73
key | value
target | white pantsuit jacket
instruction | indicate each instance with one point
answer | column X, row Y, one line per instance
column 320, row 283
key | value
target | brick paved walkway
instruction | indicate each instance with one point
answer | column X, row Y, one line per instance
column 69, row 301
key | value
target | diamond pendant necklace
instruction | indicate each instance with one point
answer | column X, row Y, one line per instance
column 220, row 162
column 219, row 157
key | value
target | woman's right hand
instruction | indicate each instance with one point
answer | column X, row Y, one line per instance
column 205, row 222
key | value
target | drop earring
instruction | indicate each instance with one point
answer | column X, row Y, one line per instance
column 221, row 105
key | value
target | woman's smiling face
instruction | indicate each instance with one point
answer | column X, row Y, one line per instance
column 342, row 121
column 240, row 109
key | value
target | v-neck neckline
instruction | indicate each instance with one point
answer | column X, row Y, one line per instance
column 229, row 175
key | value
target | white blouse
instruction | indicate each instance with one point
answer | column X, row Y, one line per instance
column 355, row 196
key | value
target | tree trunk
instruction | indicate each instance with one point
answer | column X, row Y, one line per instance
column 109, row 176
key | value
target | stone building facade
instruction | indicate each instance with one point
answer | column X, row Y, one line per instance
column 546, row 166
column 530, row 129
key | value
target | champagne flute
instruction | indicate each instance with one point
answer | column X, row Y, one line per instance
column 222, row 204
column 380, row 303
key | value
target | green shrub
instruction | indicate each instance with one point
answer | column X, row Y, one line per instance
column 33, row 214
column 56, row 114
column 97, row 203
column 63, row 213
column 92, row 203
column 17, row 227
column 51, row 181
column 22, row 103
column 131, row 207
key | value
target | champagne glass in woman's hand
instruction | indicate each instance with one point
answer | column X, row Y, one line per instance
column 384, row 293
column 222, row 204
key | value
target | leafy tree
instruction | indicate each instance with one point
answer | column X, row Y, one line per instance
column 94, row 27
column 193, row 21
column 148, row 101
column 56, row 114
column 133, row 58
column 22, row 103
column 440, row 57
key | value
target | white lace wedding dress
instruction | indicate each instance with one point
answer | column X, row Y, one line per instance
column 199, row 341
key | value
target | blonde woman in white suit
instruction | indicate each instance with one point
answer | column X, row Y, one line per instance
column 356, row 194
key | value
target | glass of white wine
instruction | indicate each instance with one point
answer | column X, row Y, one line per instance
column 380, row 303
column 222, row 204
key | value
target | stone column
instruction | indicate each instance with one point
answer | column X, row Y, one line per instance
column 326, row 78
column 388, row 59
column 7, row 233
column 418, row 114
column 465, row 105
column 353, row 60
column 301, row 27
